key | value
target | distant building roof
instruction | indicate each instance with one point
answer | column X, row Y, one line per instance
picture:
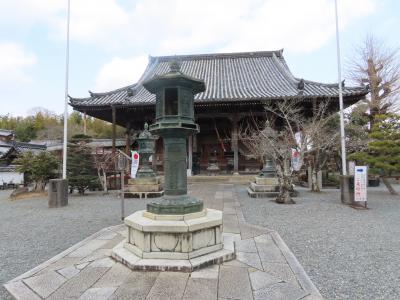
column 6, row 132
column 24, row 147
column 8, row 147
column 53, row 145
column 228, row 77
column 99, row 143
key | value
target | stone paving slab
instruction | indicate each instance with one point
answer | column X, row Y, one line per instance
column 234, row 283
column 97, row 293
column 264, row 268
column 46, row 283
column 169, row 285
column 201, row 289
column 136, row 286
column 20, row 291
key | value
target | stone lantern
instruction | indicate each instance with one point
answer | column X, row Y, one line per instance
column 175, row 123
column 146, row 143
column 266, row 183
column 146, row 184
column 268, row 169
column 175, row 233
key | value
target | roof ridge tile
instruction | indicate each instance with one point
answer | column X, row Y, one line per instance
column 218, row 55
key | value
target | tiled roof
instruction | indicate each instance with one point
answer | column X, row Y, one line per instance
column 99, row 143
column 5, row 132
column 7, row 147
column 24, row 147
column 228, row 77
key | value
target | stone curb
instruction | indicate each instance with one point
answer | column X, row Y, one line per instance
column 64, row 253
column 304, row 281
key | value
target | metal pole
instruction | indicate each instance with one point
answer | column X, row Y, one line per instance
column 64, row 175
column 122, row 196
column 342, row 134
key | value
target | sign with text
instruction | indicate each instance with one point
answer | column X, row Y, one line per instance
column 135, row 163
column 360, row 183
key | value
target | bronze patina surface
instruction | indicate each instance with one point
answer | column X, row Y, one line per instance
column 146, row 143
column 175, row 123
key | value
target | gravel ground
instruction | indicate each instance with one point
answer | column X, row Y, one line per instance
column 31, row 233
column 348, row 253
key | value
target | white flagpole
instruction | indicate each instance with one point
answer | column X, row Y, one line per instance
column 64, row 175
column 342, row 134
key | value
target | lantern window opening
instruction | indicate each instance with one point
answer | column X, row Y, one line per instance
column 171, row 101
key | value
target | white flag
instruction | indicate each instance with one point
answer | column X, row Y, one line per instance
column 135, row 163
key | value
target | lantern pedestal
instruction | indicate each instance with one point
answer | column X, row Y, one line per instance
column 144, row 186
column 183, row 242
column 266, row 184
column 263, row 187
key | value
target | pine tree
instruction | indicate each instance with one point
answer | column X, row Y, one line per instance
column 383, row 153
column 80, row 166
column 38, row 168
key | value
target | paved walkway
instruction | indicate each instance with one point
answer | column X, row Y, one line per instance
column 264, row 269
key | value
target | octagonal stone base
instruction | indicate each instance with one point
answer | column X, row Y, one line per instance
column 173, row 242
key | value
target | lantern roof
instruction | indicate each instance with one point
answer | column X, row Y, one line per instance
column 174, row 78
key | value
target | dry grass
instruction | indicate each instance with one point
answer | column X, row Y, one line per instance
column 29, row 195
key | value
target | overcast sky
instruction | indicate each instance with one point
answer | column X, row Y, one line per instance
column 112, row 39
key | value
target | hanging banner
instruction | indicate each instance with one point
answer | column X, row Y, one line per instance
column 135, row 163
column 296, row 165
column 360, row 183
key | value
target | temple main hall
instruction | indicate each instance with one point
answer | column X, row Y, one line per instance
column 238, row 86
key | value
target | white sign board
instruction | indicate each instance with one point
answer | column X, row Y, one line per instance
column 360, row 183
column 135, row 163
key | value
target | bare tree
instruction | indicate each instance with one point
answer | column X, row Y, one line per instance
column 308, row 136
column 104, row 163
column 378, row 67
column 266, row 140
column 322, row 138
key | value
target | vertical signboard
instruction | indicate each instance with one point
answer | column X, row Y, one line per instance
column 135, row 164
column 360, row 183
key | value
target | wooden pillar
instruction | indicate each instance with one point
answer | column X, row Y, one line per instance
column 235, row 147
column 114, row 118
column 190, row 153
column 314, row 106
column 128, row 139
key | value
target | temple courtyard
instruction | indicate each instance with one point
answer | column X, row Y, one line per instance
column 345, row 253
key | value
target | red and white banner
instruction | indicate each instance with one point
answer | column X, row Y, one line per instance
column 135, row 163
column 296, row 165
